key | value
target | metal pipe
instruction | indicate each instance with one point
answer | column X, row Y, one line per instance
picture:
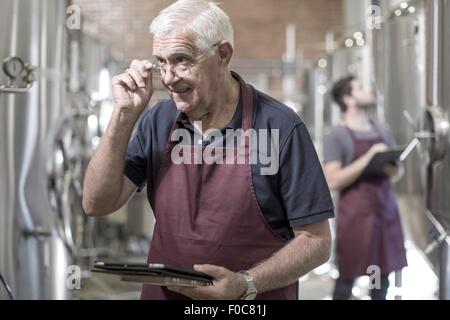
column 7, row 89
column 9, row 250
column 432, row 52
column 444, row 272
column 289, row 77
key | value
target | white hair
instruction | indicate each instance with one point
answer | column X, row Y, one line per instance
column 203, row 18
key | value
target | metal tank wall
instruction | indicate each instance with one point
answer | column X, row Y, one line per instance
column 33, row 253
column 128, row 229
column 443, row 203
column 74, row 138
column 416, row 86
column 315, row 112
column 442, row 200
column 405, row 101
column 47, row 138
column 435, row 122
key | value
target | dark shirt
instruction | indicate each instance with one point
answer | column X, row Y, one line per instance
column 296, row 195
column 338, row 144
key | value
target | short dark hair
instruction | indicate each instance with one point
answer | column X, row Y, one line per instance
column 342, row 88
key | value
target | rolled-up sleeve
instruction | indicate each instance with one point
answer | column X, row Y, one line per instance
column 136, row 158
column 304, row 192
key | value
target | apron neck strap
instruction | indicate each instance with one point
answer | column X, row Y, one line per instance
column 247, row 102
column 377, row 130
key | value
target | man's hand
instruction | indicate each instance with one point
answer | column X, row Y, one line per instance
column 227, row 285
column 395, row 172
column 391, row 170
column 340, row 176
column 133, row 89
column 378, row 147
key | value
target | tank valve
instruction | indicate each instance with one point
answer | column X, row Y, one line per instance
column 437, row 233
column 14, row 68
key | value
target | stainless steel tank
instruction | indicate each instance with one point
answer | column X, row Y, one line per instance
column 435, row 124
column 404, row 92
column 442, row 206
column 416, row 87
column 33, row 254
column 128, row 230
column 314, row 111
column 74, row 138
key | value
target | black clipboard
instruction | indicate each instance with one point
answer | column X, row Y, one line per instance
column 154, row 273
column 375, row 168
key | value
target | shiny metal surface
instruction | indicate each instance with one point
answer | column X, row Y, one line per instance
column 30, row 239
column 416, row 85
column 436, row 121
column 405, row 101
column 315, row 112
column 439, row 200
column 73, row 140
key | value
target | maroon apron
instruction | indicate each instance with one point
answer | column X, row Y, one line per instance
column 208, row 214
column 368, row 223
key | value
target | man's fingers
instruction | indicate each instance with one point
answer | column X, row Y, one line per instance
column 126, row 80
column 214, row 271
column 137, row 77
column 149, row 82
column 140, row 67
column 148, row 64
column 142, row 73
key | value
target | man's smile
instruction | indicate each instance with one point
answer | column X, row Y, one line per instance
column 180, row 90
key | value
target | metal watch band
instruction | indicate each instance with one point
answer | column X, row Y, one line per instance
column 251, row 292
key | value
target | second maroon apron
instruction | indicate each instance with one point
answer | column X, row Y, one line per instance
column 208, row 214
column 368, row 223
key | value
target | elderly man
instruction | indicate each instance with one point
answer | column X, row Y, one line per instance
column 254, row 231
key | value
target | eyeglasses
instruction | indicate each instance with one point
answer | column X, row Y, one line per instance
column 181, row 68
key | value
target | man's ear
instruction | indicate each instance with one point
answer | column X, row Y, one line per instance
column 225, row 52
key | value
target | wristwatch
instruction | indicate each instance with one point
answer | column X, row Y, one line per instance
column 251, row 292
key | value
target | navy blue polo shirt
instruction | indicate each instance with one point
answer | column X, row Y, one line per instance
column 296, row 195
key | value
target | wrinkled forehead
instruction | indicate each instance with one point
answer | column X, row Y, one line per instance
column 174, row 44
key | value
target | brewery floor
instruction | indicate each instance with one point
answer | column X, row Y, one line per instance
column 317, row 285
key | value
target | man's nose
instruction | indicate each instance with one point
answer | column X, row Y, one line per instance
column 170, row 77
